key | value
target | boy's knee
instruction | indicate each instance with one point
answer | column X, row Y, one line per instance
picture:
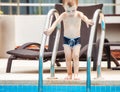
column 75, row 57
column 68, row 58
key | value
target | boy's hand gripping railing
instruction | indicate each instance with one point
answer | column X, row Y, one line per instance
column 101, row 44
column 89, row 52
column 48, row 24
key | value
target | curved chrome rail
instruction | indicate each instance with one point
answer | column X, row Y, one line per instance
column 89, row 52
column 48, row 24
column 55, row 48
column 101, row 44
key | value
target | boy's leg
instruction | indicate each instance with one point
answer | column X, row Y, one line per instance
column 68, row 57
column 75, row 55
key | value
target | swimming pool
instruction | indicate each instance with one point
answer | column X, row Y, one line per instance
column 57, row 88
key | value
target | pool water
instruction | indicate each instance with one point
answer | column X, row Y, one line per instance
column 57, row 88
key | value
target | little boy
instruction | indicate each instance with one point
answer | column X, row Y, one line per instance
column 72, row 22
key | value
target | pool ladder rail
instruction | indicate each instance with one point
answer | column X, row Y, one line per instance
column 52, row 12
column 43, row 43
column 98, row 13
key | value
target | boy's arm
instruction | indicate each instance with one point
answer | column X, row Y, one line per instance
column 57, row 21
column 85, row 19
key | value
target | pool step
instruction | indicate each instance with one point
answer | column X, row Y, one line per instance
column 60, row 82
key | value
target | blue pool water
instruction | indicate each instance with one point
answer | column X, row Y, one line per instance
column 31, row 88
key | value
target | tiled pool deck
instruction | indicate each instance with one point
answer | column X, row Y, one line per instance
column 25, row 72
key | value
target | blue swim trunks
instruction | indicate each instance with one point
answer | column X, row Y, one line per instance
column 71, row 41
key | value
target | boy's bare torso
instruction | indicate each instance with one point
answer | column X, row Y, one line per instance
column 72, row 25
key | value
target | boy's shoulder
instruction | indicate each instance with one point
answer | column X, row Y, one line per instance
column 64, row 14
column 79, row 13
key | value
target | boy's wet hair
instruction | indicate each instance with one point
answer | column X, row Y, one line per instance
column 70, row 3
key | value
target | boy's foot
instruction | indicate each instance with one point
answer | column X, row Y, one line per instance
column 76, row 77
column 68, row 77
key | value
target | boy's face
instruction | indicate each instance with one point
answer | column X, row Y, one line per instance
column 70, row 10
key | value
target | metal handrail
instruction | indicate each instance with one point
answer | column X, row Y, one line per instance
column 89, row 52
column 55, row 48
column 53, row 4
column 18, row 4
column 41, row 54
column 101, row 44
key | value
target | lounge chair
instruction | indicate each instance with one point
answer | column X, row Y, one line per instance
column 110, row 56
column 23, row 53
column 26, row 52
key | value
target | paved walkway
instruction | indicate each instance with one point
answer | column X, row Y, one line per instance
column 26, row 72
